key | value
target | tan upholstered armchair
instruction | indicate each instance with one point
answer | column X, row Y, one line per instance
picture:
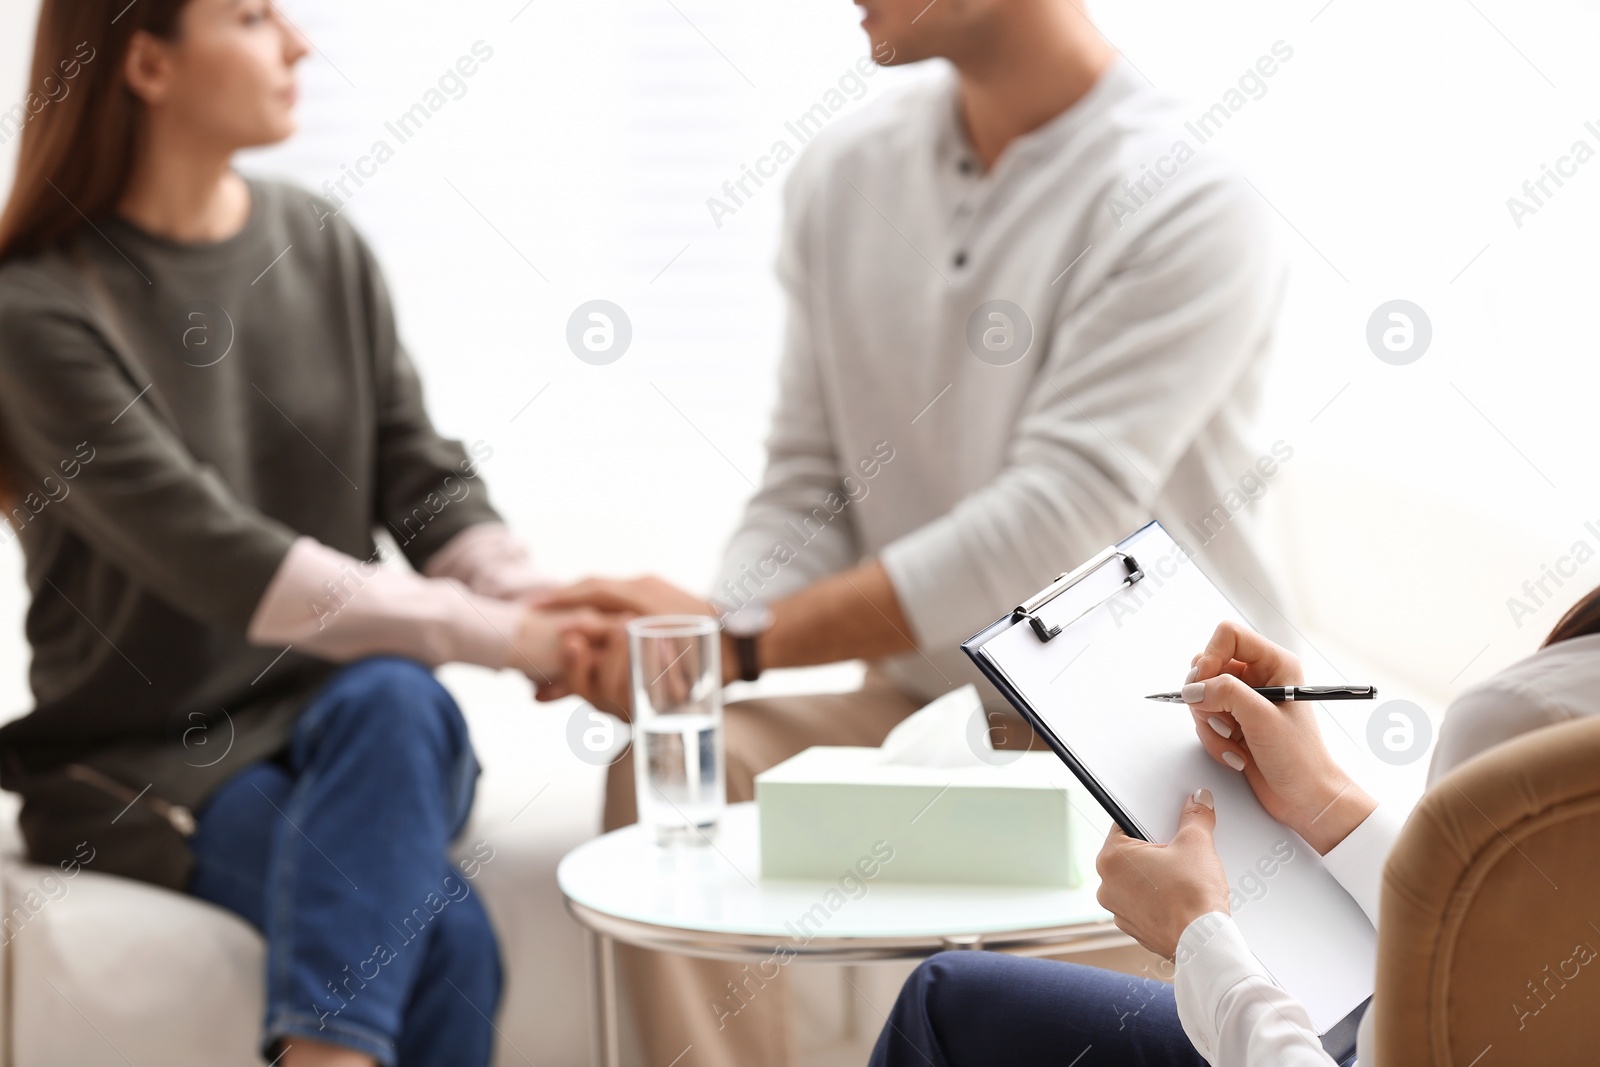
column 1490, row 947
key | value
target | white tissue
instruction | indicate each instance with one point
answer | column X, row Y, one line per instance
column 941, row 734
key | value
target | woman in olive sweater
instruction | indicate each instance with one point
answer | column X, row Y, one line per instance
column 206, row 414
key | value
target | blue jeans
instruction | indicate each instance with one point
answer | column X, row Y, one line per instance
column 964, row 1009
column 336, row 852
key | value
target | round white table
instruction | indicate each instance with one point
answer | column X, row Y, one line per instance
column 710, row 900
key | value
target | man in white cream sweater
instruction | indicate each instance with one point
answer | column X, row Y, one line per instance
column 1018, row 327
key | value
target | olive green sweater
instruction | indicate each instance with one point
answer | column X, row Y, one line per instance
column 261, row 395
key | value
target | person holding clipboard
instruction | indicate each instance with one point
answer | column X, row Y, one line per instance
column 961, row 1008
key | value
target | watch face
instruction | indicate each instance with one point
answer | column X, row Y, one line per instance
column 752, row 620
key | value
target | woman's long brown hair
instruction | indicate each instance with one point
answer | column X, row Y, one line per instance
column 77, row 149
column 1582, row 619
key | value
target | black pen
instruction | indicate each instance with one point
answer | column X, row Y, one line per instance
column 1280, row 693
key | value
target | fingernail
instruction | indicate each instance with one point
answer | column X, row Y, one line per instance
column 1193, row 692
column 1234, row 760
column 1194, row 672
column 1219, row 726
column 1202, row 797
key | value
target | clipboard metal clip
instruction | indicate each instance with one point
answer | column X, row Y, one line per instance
column 1029, row 609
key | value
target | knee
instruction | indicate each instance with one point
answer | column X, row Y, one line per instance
column 912, row 1032
column 391, row 678
column 942, row 983
column 399, row 699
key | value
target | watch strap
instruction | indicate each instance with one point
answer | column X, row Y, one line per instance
column 749, row 661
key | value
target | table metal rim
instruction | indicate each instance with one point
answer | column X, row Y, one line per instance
column 709, row 944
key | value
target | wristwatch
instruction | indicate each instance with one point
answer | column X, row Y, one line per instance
column 743, row 627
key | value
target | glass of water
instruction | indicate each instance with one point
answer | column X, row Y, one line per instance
column 677, row 725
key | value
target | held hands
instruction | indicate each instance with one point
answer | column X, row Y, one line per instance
column 1277, row 747
column 1155, row 891
column 593, row 646
column 536, row 648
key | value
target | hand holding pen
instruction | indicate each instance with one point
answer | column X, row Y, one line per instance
column 1275, row 745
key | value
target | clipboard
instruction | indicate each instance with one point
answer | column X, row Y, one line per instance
column 1077, row 658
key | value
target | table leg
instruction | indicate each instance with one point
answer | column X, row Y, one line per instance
column 607, row 1047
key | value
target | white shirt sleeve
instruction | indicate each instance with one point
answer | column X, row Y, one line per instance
column 1231, row 1011
column 1357, row 861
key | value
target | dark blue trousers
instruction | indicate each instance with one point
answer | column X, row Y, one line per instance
column 966, row 1009
column 974, row 1009
column 336, row 852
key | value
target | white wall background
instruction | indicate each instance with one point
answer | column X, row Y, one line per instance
column 1388, row 144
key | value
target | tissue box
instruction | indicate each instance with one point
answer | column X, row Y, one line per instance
column 825, row 809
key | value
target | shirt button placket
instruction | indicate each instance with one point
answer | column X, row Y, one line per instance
column 964, row 211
